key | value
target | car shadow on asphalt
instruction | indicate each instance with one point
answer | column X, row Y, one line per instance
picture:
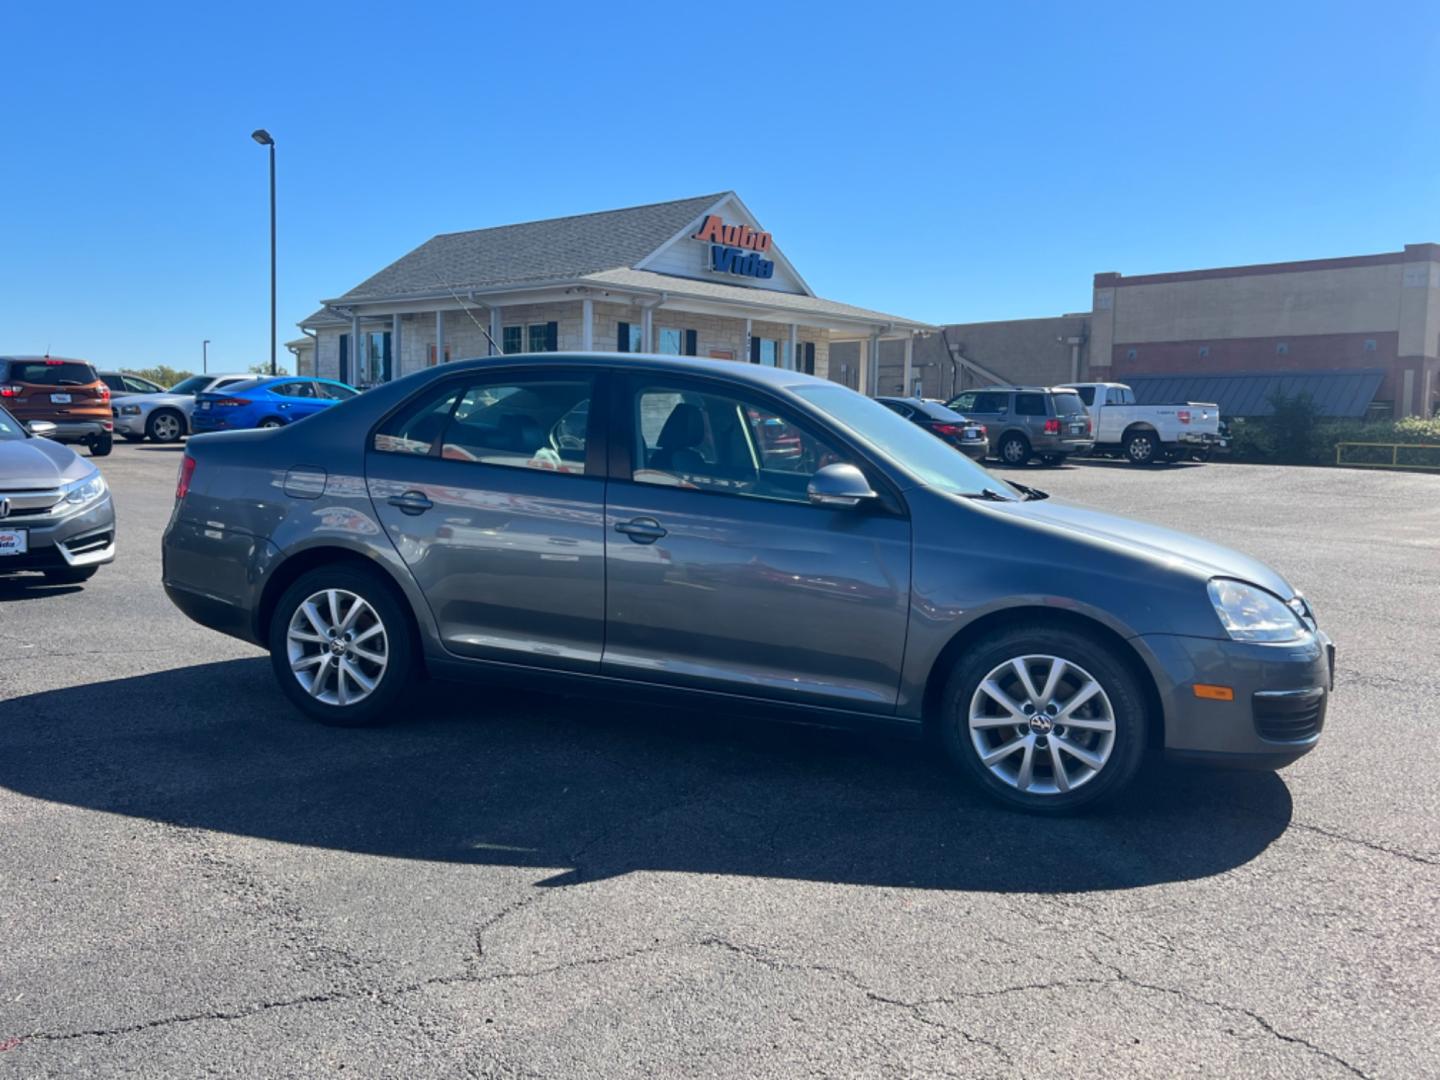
column 586, row 791
column 31, row 587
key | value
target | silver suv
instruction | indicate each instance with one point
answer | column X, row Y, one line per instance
column 1026, row 422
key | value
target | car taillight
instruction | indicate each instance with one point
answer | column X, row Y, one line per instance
column 984, row 431
column 946, row 429
column 104, row 392
column 187, row 473
column 1052, row 426
column 1183, row 416
column 229, row 403
column 11, row 391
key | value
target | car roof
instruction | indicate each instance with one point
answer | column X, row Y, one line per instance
column 42, row 359
column 757, row 374
column 1008, row 389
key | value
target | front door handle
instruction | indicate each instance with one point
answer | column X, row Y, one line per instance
column 643, row 530
column 412, row 502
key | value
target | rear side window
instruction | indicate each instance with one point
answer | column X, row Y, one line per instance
column 1087, row 394
column 295, row 389
column 114, row 382
column 1029, row 404
column 52, row 373
column 335, row 392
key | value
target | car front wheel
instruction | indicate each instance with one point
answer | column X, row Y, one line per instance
column 341, row 646
column 1045, row 720
column 1014, row 449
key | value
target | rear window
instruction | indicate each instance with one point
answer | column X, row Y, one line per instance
column 51, row 373
column 1087, row 394
column 1068, row 403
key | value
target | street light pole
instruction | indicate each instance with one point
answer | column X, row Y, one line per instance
column 262, row 137
column 205, row 357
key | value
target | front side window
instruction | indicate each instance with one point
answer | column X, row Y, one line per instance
column 721, row 443
column 512, row 422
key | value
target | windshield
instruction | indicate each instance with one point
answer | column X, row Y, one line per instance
column 193, row 385
column 10, row 428
column 933, row 461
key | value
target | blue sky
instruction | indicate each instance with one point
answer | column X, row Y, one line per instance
column 943, row 162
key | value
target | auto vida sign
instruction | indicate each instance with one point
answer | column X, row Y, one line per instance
column 736, row 249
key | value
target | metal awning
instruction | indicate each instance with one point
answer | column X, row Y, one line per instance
column 1344, row 392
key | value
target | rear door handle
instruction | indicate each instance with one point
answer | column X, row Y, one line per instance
column 643, row 530
column 412, row 502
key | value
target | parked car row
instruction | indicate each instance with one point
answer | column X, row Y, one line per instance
column 224, row 403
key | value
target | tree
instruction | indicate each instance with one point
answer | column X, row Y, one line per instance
column 165, row 376
column 264, row 369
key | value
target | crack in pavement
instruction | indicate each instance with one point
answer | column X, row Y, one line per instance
column 1372, row 845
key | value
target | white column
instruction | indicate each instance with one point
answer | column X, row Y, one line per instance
column 872, row 384
column 909, row 364
column 587, row 325
column 496, row 332
column 396, row 365
column 793, row 364
column 439, row 337
column 862, row 366
column 647, row 331
column 355, row 369
column 745, row 356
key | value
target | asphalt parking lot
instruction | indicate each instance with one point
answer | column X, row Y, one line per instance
column 197, row 882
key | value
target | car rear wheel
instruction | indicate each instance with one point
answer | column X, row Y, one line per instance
column 101, row 445
column 341, row 646
column 270, row 423
column 1014, row 449
column 1142, row 448
column 165, row 425
column 1045, row 720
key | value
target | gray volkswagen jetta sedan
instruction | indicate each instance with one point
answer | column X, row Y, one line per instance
column 55, row 510
column 754, row 538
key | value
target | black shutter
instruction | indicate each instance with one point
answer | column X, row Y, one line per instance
column 691, row 343
column 386, row 361
column 754, row 350
column 552, row 337
column 809, row 358
column 345, row 358
column 622, row 337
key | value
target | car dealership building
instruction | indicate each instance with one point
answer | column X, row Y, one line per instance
column 698, row 277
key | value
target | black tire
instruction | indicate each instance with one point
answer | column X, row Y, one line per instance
column 1120, row 686
column 169, row 434
column 132, row 438
column 385, row 700
column 69, row 575
column 1142, row 448
column 1014, row 449
column 101, row 445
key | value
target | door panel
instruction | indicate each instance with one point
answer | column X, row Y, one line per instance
column 510, row 556
column 773, row 599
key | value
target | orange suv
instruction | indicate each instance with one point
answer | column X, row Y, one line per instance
column 67, row 393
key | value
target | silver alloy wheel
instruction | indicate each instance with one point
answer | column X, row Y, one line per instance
column 270, row 424
column 166, row 427
column 1014, row 451
column 337, row 646
column 1042, row 724
column 1141, row 448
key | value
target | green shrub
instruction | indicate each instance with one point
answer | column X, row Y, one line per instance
column 165, row 376
column 1296, row 439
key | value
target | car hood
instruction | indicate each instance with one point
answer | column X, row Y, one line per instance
column 37, row 463
column 1153, row 542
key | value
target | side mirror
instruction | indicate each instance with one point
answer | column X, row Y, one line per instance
column 839, row 485
column 43, row 428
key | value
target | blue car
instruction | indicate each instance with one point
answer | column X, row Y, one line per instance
column 266, row 403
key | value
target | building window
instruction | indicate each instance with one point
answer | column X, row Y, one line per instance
column 544, row 337
column 628, row 337
column 1204, row 351
column 1282, row 348
column 1369, row 344
column 671, row 341
column 765, row 351
column 1129, row 354
column 512, row 339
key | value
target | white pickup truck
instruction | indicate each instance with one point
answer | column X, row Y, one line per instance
column 1145, row 434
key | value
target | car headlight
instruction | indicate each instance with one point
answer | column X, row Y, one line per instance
column 1249, row 613
column 129, row 410
column 84, row 491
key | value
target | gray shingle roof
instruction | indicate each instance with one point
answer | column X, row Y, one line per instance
column 564, row 247
column 1344, row 392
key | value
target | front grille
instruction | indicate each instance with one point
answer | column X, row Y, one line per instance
column 30, row 503
column 1289, row 717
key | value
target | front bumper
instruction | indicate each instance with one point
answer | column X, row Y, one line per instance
column 86, row 538
column 1280, row 697
column 129, row 425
